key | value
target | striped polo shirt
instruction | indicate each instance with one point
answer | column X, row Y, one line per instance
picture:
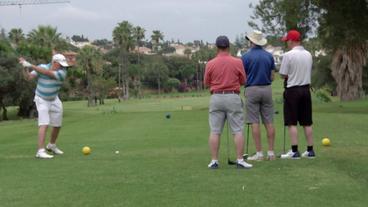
column 47, row 87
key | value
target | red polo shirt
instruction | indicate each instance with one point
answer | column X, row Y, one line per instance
column 224, row 73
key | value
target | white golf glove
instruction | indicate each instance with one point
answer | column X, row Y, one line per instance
column 26, row 64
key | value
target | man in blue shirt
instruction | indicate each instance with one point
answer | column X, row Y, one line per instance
column 259, row 67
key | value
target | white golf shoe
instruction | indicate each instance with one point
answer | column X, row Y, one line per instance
column 52, row 148
column 291, row 155
column 41, row 153
column 243, row 165
column 271, row 155
column 214, row 164
column 257, row 157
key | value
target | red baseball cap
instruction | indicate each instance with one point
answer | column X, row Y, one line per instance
column 292, row 35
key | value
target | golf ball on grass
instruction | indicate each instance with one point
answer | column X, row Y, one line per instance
column 117, row 152
column 326, row 141
column 86, row 150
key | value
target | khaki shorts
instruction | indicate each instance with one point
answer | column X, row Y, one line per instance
column 259, row 104
column 226, row 107
column 49, row 112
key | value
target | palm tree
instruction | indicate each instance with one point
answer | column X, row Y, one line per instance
column 91, row 61
column 139, row 35
column 123, row 38
column 45, row 36
column 16, row 35
column 344, row 33
column 156, row 36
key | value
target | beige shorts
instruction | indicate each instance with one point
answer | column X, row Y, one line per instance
column 49, row 112
column 226, row 107
column 259, row 104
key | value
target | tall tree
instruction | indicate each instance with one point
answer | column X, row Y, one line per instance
column 157, row 72
column 279, row 16
column 16, row 35
column 45, row 36
column 139, row 35
column 343, row 30
column 156, row 36
column 90, row 59
column 123, row 38
column 136, row 74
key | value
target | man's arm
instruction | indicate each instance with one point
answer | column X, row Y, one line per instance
column 284, row 68
column 207, row 79
column 37, row 68
column 272, row 75
column 28, row 75
column 243, row 76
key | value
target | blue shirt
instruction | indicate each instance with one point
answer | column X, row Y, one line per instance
column 258, row 65
column 47, row 87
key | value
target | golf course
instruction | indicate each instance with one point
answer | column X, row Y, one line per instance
column 162, row 160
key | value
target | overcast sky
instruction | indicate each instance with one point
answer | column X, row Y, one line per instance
column 186, row 20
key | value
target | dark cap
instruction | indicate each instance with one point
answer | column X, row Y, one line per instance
column 222, row 42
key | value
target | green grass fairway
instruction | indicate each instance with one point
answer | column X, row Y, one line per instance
column 163, row 162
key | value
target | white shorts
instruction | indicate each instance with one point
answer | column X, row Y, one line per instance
column 49, row 112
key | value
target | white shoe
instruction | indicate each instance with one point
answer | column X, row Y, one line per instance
column 213, row 164
column 43, row 155
column 309, row 154
column 271, row 155
column 258, row 157
column 243, row 164
column 291, row 155
column 52, row 148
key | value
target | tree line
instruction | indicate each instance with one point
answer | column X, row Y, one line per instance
column 121, row 72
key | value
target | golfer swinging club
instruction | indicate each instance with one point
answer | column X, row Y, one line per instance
column 224, row 75
column 50, row 109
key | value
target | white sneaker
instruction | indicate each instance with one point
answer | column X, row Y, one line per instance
column 291, row 155
column 271, row 155
column 52, row 148
column 243, row 164
column 213, row 164
column 41, row 153
column 257, row 157
column 309, row 154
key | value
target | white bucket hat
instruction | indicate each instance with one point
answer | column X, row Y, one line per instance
column 257, row 38
column 59, row 58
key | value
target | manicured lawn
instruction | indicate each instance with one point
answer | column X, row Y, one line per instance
column 163, row 162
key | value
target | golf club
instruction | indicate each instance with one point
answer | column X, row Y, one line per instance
column 284, row 138
column 245, row 156
column 229, row 162
column 283, row 102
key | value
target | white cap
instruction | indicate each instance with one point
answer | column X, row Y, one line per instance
column 59, row 58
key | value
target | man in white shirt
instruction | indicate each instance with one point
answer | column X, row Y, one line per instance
column 296, row 68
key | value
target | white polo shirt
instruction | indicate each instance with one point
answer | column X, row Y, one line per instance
column 297, row 65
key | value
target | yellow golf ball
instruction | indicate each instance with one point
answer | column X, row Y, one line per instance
column 86, row 150
column 326, row 141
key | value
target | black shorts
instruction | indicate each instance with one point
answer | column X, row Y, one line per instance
column 298, row 106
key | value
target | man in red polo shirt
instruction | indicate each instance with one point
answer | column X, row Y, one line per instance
column 224, row 75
